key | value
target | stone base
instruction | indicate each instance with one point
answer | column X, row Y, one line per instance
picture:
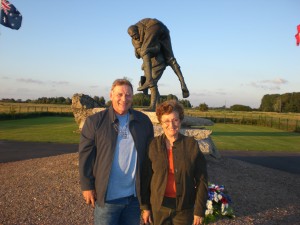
column 84, row 106
column 188, row 121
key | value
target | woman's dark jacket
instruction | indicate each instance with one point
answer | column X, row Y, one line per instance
column 97, row 148
column 189, row 170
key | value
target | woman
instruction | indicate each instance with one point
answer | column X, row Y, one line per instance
column 174, row 178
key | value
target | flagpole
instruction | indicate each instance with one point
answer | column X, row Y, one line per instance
column 0, row 13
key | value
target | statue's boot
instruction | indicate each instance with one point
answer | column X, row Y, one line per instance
column 142, row 81
column 154, row 99
column 147, row 67
column 176, row 68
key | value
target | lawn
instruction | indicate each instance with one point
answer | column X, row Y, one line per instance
column 42, row 129
column 225, row 136
column 247, row 137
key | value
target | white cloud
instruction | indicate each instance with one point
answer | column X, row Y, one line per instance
column 60, row 82
column 30, row 81
column 275, row 81
column 272, row 85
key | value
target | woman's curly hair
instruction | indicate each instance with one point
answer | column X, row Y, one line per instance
column 168, row 107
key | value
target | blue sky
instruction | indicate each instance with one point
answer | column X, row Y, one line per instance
column 230, row 51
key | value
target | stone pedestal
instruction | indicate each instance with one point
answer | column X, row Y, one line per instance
column 84, row 106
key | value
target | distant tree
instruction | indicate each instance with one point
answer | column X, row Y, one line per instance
column 102, row 100
column 96, row 98
column 108, row 103
column 240, row 108
column 186, row 103
column 68, row 101
column 268, row 102
column 61, row 100
column 171, row 97
column 99, row 100
column 288, row 102
column 203, row 107
column 10, row 100
column 162, row 98
column 140, row 99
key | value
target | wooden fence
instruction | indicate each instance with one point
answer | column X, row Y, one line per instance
column 288, row 122
column 14, row 109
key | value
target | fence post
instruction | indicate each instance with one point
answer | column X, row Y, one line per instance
column 271, row 121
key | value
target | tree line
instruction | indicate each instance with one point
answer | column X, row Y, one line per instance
column 139, row 99
column 288, row 102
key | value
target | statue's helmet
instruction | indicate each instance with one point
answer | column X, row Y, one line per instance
column 132, row 30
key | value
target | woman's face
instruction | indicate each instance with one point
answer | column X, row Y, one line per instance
column 171, row 124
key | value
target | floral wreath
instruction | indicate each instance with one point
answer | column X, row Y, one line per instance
column 218, row 204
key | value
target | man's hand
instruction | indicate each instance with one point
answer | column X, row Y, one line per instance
column 146, row 215
column 198, row 220
column 90, row 197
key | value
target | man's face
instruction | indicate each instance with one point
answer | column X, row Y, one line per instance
column 135, row 36
column 121, row 99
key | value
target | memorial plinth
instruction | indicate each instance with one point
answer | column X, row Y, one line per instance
column 84, row 106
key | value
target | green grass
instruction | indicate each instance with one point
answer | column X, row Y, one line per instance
column 42, row 129
column 225, row 136
column 256, row 138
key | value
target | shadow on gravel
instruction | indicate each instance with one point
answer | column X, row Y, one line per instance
column 261, row 134
column 284, row 161
column 11, row 151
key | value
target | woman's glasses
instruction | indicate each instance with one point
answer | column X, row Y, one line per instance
column 175, row 121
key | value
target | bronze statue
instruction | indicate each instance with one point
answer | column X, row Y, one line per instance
column 152, row 43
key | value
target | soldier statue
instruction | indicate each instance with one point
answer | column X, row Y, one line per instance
column 152, row 42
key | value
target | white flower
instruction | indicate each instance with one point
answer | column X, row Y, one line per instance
column 224, row 209
column 209, row 212
column 209, row 204
column 220, row 197
column 216, row 199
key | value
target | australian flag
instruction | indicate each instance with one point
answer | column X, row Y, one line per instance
column 10, row 16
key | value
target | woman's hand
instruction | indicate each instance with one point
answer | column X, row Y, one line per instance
column 198, row 220
column 146, row 215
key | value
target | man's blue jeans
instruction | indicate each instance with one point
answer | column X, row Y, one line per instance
column 123, row 211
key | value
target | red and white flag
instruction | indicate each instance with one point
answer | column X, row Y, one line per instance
column 297, row 36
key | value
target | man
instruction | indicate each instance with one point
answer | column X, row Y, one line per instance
column 112, row 148
column 150, row 34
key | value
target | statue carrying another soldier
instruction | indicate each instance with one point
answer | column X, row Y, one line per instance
column 152, row 42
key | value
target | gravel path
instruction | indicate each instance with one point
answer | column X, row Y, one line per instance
column 46, row 191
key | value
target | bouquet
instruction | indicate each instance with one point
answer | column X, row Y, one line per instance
column 218, row 204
